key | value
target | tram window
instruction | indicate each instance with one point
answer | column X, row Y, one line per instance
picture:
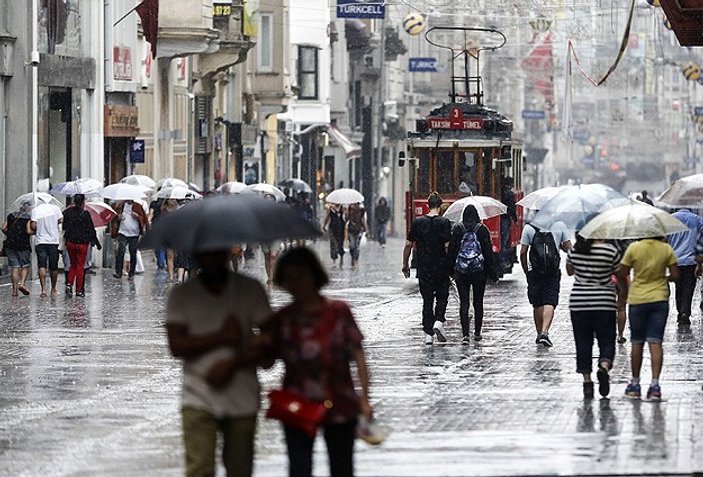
column 422, row 184
column 487, row 176
column 467, row 171
column 445, row 172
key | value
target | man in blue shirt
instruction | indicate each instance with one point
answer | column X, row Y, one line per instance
column 684, row 245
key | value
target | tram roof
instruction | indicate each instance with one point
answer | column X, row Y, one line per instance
column 420, row 143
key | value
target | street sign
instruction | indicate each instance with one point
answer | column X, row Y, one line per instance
column 533, row 114
column 423, row 65
column 456, row 120
column 361, row 9
column 698, row 110
column 136, row 151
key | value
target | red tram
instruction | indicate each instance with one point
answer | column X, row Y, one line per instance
column 463, row 148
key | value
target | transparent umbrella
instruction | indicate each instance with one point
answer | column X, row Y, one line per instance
column 232, row 188
column 124, row 192
column 170, row 182
column 536, row 200
column 87, row 187
column 630, row 222
column 575, row 206
column 139, row 180
column 487, row 207
column 177, row 193
column 266, row 189
column 28, row 201
column 345, row 197
column 685, row 192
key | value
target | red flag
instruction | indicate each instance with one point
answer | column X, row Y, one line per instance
column 539, row 67
column 148, row 11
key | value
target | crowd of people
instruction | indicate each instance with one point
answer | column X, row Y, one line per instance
column 598, row 302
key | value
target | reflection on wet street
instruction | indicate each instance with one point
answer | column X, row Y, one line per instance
column 89, row 389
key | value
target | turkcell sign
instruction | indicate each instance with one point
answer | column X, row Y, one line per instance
column 423, row 65
column 698, row 110
column 360, row 9
column 533, row 114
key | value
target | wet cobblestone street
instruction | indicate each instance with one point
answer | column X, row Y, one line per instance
column 89, row 389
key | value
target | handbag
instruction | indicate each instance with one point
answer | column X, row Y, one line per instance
column 296, row 411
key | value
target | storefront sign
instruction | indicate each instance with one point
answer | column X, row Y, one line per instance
column 222, row 8
column 423, row 65
column 360, row 9
column 121, row 121
column 456, row 120
column 136, row 151
column 122, row 63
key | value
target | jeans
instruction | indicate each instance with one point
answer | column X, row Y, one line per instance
column 354, row 244
column 77, row 253
column 381, row 232
column 590, row 324
column 464, row 283
column 648, row 322
column 336, row 245
column 47, row 256
column 685, row 288
column 123, row 243
column 200, row 430
column 505, row 223
column 160, row 255
column 435, row 296
column 340, row 449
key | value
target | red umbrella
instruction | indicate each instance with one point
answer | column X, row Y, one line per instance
column 101, row 213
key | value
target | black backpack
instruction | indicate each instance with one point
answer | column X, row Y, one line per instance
column 544, row 254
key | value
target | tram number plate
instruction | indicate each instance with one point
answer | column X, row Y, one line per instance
column 446, row 123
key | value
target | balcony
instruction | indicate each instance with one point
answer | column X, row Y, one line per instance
column 186, row 28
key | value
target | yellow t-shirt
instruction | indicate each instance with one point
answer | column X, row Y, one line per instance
column 650, row 260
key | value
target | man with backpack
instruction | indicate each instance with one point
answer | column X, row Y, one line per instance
column 541, row 262
column 430, row 234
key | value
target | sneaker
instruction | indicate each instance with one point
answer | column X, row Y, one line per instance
column 588, row 390
column 537, row 340
column 429, row 339
column 466, row 341
column 477, row 337
column 684, row 319
column 622, row 340
column 80, row 294
column 117, row 276
column 633, row 391
column 654, row 392
column 603, row 381
column 545, row 341
column 439, row 331
column 69, row 290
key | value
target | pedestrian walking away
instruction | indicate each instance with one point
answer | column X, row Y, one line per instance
column 235, row 305
column 79, row 234
column 430, row 235
column 154, row 213
column 130, row 223
column 684, row 245
column 46, row 229
column 648, row 300
column 335, row 224
column 540, row 260
column 593, row 305
column 473, row 261
column 318, row 339
column 17, row 248
column 507, row 197
column 382, row 215
column 356, row 228
column 644, row 197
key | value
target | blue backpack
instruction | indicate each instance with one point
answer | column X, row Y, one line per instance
column 470, row 258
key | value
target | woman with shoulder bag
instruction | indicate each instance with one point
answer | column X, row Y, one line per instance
column 17, row 248
column 317, row 339
column 473, row 262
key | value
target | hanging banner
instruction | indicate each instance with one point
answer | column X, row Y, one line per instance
column 361, row 9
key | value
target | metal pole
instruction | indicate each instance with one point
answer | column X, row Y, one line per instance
column 35, row 98
column 379, row 132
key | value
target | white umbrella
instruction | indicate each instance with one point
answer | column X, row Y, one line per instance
column 42, row 211
column 87, row 187
column 124, row 192
column 232, row 188
column 345, row 197
column 177, row 193
column 685, row 192
column 40, row 198
column 536, row 200
column 487, row 207
column 266, row 189
column 139, row 180
column 630, row 222
column 170, row 182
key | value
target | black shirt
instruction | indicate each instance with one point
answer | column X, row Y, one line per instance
column 78, row 226
column 431, row 234
column 17, row 236
column 507, row 197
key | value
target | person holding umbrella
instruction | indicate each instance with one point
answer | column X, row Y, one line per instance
column 79, row 234
column 335, row 224
column 44, row 225
column 382, row 215
column 128, row 226
column 356, row 227
column 18, row 248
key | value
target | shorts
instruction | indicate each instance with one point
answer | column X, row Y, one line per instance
column 19, row 258
column 543, row 289
column 648, row 322
column 48, row 256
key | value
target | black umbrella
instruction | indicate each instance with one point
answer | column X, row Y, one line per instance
column 218, row 223
column 296, row 185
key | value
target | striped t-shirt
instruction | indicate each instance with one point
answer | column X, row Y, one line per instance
column 594, row 289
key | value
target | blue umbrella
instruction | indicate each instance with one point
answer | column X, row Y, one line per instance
column 575, row 206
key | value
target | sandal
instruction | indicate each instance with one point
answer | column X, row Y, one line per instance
column 23, row 290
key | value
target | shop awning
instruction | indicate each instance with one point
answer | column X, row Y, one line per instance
column 351, row 148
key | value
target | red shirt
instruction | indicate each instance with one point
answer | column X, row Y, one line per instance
column 317, row 350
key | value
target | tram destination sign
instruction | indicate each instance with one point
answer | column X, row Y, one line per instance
column 361, row 9
column 456, row 121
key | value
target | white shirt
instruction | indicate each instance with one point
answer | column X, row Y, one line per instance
column 48, row 231
column 129, row 227
column 192, row 305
